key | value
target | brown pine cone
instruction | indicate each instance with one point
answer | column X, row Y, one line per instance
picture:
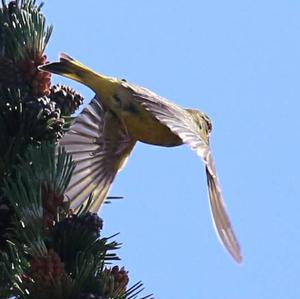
column 12, row 6
column 39, row 82
column 47, row 269
column 90, row 222
column 52, row 203
column 115, row 281
column 67, row 99
column 47, row 123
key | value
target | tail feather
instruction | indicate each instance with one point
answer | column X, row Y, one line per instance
column 72, row 69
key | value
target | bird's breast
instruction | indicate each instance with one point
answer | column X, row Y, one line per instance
column 143, row 126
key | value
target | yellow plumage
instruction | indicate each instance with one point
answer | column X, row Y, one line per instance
column 103, row 135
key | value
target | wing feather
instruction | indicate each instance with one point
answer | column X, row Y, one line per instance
column 98, row 154
column 180, row 122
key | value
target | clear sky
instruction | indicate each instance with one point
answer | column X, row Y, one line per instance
column 239, row 61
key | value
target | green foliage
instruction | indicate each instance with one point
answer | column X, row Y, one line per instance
column 23, row 30
column 40, row 170
column 21, row 125
column 51, row 170
column 12, row 137
column 49, row 252
column 12, row 266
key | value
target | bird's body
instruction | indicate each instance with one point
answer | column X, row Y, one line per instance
column 142, row 126
column 103, row 135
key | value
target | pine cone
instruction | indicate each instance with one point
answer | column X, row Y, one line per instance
column 46, row 278
column 67, row 99
column 9, row 73
column 47, row 123
column 52, row 203
column 90, row 221
column 115, row 281
column 12, row 7
column 39, row 82
column 48, row 269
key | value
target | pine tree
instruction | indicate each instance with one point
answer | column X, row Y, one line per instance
column 46, row 249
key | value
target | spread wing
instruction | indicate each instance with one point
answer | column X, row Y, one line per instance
column 100, row 147
column 180, row 122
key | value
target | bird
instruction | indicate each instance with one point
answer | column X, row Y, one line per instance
column 102, row 137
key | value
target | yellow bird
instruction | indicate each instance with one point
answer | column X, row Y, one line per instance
column 103, row 135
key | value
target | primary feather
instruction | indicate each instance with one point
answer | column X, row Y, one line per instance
column 104, row 134
column 194, row 131
column 99, row 151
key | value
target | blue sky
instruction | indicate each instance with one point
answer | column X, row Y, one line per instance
column 239, row 61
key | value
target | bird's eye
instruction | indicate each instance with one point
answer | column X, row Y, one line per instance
column 209, row 125
column 124, row 80
column 117, row 99
column 208, row 122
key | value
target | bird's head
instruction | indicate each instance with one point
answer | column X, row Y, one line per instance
column 202, row 120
